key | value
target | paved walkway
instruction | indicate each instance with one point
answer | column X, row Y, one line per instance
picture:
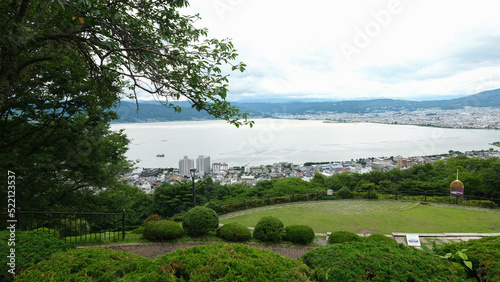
column 153, row 250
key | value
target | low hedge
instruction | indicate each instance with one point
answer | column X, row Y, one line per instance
column 343, row 237
column 31, row 247
column 483, row 253
column 377, row 261
column 269, row 229
column 200, row 220
column 164, row 230
column 234, row 232
column 299, row 234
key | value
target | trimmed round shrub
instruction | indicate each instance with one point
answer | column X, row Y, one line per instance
column 31, row 248
column 344, row 193
column 380, row 238
column 48, row 230
column 200, row 220
column 93, row 264
column 234, row 232
column 299, row 234
column 269, row 229
column 153, row 217
column 377, row 261
column 163, row 230
column 343, row 237
column 227, row 262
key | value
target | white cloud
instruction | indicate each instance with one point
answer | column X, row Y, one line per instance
column 402, row 48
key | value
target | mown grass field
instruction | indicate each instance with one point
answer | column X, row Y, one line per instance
column 383, row 216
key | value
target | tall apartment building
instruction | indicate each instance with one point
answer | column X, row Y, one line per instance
column 203, row 165
column 185, row 165
column 218, row 167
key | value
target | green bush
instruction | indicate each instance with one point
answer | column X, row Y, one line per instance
column 377, row 261
column 200, row 220
column 152, row 217
column 86, row 265
column 48, row 230
column 380, row 238
column 299, row 234
column 254, row 203
column 344, row 193
column 31, row 247
column 73, row 227
column 164, row 230
column 234, row 232
column 238, row 206
column 483, row 253
column 278, row 200
column 177, row 218
column 343, row 237
column 268, row 229
column 228, row 262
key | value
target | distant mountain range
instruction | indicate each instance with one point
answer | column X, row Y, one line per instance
column 155, row 112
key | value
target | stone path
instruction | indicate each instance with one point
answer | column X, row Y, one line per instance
column 153, row 250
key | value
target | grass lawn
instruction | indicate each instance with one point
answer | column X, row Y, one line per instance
column 382, row 216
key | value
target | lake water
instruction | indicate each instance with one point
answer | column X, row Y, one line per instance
column 296, row 141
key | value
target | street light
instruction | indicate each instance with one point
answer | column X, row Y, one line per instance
column 193, row 172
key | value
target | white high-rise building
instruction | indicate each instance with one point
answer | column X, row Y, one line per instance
column 185, row 165
column 203, row 165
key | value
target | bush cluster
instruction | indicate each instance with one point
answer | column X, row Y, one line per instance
column 483, row 253
column 200, row 220
column 343, row 237
column 234, row 232
column 54, row 232
column 269, row 229
column 221, row 262
column 31, row 247
column 361, row 261
column 344, row 193
column 73, row 227
column 164, row 230
column 299, row 234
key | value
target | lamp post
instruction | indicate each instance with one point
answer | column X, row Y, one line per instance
column 193, row 172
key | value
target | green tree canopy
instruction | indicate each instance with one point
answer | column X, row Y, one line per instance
column 65, row 65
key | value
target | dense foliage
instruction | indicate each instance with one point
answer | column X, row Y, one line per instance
column 65, row 66
column 30, row 247
column 200, row 220
column 230, row 262
column 338, row 237
column 269, row 229
column 381, row 238
column 483, row 253
column 97, row 264
column 361, row 261
column 299, row 234
column 163, row 230
column 234, row 232
column 224, row 262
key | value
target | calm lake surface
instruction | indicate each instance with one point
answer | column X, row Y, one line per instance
column 296, row 141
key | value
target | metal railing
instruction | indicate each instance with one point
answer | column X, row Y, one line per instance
column 73, row 227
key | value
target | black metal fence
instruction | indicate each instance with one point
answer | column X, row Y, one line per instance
column 421, row 196
column 73, row 227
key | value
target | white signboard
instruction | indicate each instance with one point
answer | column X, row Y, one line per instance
column 329, row 192
column 413, row 240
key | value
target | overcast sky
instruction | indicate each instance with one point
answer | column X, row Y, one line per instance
column 358, row 49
